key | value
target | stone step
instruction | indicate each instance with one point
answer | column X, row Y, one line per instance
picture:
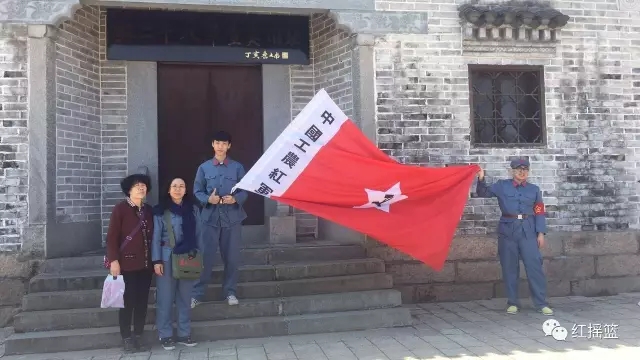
column 209, row 311
column 248, row 290
column 255, row 255
column 109, row 337
column 94, row 279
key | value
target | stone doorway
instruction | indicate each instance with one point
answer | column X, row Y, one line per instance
column 123, row 93
column 194, row 101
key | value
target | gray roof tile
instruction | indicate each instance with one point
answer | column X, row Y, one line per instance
column 531, row 16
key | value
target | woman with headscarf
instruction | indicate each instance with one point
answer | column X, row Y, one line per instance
column 176, row 231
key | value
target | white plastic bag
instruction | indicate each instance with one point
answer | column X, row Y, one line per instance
column 113, row 292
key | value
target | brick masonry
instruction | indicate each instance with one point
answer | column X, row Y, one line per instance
column 113, row 96
column 14, row 270
column 330, row 70
column 79, row 139
column 113, row 80
column 331, row 50
column 13, row 135
column 587, row 170
column 302, row 82
column 91, row 115
column 579, row 263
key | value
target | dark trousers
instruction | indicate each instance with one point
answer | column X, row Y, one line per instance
column 136, row 298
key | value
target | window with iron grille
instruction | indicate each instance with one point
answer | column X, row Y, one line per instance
column 507, row 105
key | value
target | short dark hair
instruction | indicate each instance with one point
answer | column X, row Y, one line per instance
column 130, row 181
column 221, row 136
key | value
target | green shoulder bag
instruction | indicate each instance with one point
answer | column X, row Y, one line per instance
column 183, row 266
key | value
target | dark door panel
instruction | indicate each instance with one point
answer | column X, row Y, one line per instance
column 194, row 101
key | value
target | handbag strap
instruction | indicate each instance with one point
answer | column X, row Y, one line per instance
column 167, row 221
column 135, row 231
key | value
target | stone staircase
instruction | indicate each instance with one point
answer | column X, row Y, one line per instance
column 283, row 290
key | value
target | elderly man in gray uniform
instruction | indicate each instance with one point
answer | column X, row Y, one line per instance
column 520, row 233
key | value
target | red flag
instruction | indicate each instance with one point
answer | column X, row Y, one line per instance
column 323, row 164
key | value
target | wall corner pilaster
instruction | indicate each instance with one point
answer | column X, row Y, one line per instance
column 41, row 128
column 363, row 77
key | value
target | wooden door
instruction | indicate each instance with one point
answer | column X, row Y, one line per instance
column 195, row 101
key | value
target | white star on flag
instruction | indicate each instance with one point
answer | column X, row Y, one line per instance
column 382, row 200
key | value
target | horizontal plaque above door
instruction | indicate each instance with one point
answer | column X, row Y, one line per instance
column 205, row 37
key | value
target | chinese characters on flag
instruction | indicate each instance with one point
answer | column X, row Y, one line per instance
column 323, row 164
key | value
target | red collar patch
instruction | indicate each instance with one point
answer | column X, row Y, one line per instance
column 216, row 162
column 516, row 184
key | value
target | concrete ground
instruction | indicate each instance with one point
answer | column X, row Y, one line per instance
column 596, row 328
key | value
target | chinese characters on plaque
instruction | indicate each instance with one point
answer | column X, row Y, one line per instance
column 289, row 160
column 264, row 55
column 193, row 36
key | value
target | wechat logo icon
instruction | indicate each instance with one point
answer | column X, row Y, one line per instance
column 552, row 327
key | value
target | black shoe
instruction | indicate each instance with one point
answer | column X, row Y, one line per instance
column 186, row 341
column 168, row 343
column 139, row 343
column 128, row 345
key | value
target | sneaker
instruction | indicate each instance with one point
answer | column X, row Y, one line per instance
column 168, row 343
column 186, row 341
column 128, row 345
column 511, row 310
column 194, row 303
column 546, row 311
column 232, row 300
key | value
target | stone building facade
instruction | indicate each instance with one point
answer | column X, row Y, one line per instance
column 75, row 122
column 585, row 163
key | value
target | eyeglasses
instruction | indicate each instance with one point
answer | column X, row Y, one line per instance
column 522, row 170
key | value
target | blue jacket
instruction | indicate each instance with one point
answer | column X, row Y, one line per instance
column 516, row 200
column 222, row 177
column 160, row 248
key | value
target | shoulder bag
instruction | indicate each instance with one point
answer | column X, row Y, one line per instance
column 107, row 262
column 183, row 266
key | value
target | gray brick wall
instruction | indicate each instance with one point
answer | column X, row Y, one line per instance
column 302, row 91
column 587, row 171
column 302, row 87
column 332, row 61
column 330, row 69
column 113, row 95
column 78, row 150
column 13, row 135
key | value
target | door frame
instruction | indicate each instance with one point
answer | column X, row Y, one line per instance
column 142, row 125
column 210, row 85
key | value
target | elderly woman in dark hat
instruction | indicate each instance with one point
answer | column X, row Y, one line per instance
column 129, row 255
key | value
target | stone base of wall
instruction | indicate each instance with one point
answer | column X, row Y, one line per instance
column 15, row 272
column 581, row 263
